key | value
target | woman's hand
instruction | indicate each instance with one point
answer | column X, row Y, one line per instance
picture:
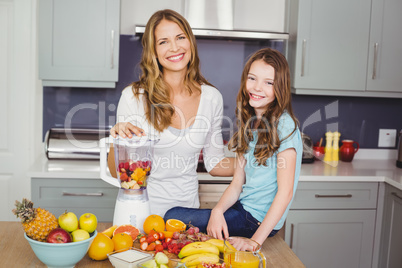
column 216, row 225
column 125, row 129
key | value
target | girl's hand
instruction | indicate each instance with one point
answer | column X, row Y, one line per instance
column 216, row 225
column 125, row 129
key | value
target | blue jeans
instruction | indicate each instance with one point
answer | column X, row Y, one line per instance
column 239, row 221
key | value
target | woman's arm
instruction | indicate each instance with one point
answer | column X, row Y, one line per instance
column 286, row 165
column 217, row 223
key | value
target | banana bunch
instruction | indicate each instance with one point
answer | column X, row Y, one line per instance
column 220, row 244
column 198, row 252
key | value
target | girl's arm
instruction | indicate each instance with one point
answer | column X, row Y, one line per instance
column 225, row 168
column 286, row 161
column 217, row 223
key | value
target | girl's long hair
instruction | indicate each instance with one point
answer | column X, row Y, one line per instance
column 158, row 108
column 268, row 138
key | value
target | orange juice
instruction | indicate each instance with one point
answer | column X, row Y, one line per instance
column 242, row 259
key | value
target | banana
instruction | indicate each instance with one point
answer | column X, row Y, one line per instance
column 217, row 242
column 198, row 247
column 220, row 244
column 198, row 258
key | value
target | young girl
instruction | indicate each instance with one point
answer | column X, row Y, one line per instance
column 269, row 151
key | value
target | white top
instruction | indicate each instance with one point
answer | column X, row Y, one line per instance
column 173, row 180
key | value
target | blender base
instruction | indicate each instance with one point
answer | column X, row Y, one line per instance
column 132, row 212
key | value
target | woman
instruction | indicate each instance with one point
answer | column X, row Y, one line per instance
column 269, row 149
column 174, row 101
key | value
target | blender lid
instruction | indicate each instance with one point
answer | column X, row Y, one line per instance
column 135, row 140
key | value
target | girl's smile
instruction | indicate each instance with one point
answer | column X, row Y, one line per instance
column 260, row 86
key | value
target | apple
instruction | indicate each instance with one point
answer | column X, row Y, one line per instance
column 88, row 222
column 79, row 235
column 59, row 235
column 68, row 221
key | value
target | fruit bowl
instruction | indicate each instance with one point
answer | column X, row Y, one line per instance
column 60, row 255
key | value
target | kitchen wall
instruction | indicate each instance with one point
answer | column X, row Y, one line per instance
column 221, row 62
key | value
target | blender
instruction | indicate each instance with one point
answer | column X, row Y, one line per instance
column 133, row 160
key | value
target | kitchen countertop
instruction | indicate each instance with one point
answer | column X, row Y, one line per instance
column 16, row 252
column 364, row 168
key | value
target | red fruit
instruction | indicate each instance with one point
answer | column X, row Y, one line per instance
column 168, row 240
column 156, row 236
column 161, row 235
column 144, row 245
column 133, row 166
column 159, row 248
column 165, row 245
column 150, row 239
column 124, row 177
column 126, row 165
column 151, row 246
column 59, row 235
column 143, row 239
column 158, row 242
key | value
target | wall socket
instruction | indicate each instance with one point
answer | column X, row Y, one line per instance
column 387, row 138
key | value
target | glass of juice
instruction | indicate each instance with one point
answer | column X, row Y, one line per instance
column 242, row 252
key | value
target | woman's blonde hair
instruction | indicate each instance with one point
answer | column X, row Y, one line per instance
column 268, row 138
column 158, row 109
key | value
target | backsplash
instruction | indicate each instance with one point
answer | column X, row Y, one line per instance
column 222, row 62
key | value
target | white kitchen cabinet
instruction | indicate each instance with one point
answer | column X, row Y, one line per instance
column 391, row 234
column 210, row 193
column 331, row 47
column 79, row 42
column 332, row 224
column 76, row 195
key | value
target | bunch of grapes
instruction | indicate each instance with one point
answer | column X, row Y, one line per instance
column 180, row 239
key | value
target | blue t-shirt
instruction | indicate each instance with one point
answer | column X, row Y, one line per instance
column 261, row 181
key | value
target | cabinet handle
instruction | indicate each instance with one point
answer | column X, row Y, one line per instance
column 333, row 195
column 291, row 235
column 83, row 194
column 375, row 61
column 112, row 50
column 396, row 195
column 303, row 57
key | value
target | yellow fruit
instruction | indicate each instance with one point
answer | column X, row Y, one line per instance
column 154, row 222
column 37, row 223
column 168, row 234
column 196, row 259
column 122, row 241
column 216, row 242
column 174, row 225
column 109, row 231
column 198, row 247
column 100, row 247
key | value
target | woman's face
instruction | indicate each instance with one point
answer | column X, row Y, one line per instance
column 260, row 86
column 172, row 46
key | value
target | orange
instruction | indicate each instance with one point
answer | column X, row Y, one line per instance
column 109, row 231
column 128, row 229
column 174, row 225
column 122, row 241
column 168, row 234
column 100, row 247
column 154, row 222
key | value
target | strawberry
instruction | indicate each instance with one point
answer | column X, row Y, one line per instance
column 150, row 239
column 144, row 246
column 151, row 246
column 143, row 239
column 158, row 248
column 124, row 177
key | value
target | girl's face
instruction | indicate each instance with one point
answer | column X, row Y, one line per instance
column 260, row 86
column 172, row 46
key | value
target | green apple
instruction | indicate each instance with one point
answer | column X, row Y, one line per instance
column 79, row 235
column 68, row 221
column 88, row 222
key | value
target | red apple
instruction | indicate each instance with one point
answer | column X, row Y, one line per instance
column 59, row 235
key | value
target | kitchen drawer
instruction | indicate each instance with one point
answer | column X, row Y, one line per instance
column 75, row 195
column 335, row 195
column 210, row 194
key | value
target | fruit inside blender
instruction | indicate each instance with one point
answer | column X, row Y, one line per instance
column 134, row 174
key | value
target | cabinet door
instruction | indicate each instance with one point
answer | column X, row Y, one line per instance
column 331, row 44
column 385, row 52
column 391, row 241
column 331, row 238
column 79, row 42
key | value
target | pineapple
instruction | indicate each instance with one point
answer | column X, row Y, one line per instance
column 37, row 222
